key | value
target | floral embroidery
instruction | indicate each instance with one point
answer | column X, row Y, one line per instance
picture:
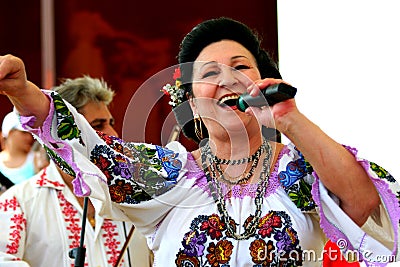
column 219, row 253
column 268, row 223
column 381, row 172
column 170, row 162
column 275, row 243
column 66, row 126
column 292, row 180
column 143, row 154
column 262, row 253
column 309, row 168
column 385, row 175
column 286, row 239
column 213, row 226
column 112, row 141
column 295, row 170
column 122, row 167
column 193, row 243
column 120, row 190
column 73, row 220
column 300, row 194
column 137, row 174
column 185, row 260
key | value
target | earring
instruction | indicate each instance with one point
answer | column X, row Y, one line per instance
column 198, row 128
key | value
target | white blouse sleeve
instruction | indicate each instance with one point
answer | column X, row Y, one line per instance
column 126, row 181
column 376, row 242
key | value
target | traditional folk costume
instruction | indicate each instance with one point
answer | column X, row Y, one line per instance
column 192, row 219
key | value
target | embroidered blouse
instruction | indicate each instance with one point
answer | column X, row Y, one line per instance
column 165, row 194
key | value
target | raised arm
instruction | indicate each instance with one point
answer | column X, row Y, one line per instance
column 24, row 95
column 337, row 168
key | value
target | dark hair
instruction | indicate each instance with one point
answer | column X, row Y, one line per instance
column 204, row 34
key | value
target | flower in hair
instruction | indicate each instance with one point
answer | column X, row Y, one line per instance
column 175, row 92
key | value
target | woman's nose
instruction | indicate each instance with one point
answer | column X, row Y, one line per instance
column 227, row 77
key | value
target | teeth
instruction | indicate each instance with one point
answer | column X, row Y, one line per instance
column 226, row 98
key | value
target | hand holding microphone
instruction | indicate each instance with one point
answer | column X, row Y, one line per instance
column 268, row 96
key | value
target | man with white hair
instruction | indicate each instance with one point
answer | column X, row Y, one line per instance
column 41, row 219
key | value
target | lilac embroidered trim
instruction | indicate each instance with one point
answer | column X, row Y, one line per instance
column 65, row 150
column 195, row 172
column 28, row 121
column 391, row 203
column 361, row 245
column 237, row 191
column 387, row 196
column 331, row 231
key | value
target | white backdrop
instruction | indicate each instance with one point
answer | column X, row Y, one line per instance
column 343, row 56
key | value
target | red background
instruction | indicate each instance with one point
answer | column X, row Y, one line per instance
column 125, row 42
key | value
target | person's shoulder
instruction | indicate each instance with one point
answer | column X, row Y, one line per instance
column 176, row 146
column 290, row 157
column 26, row 190
column 179, row 149
column 289, row 149
column 21, row 190
column 4, row 181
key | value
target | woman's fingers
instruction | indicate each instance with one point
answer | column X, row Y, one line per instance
column 255, row 88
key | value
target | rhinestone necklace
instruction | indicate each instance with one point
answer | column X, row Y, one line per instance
column 216, row 192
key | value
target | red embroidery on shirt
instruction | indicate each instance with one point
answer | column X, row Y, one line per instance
column 9, row 204
column 18, row 225
column 44, row 181
column 110, row 242
column 72, row 220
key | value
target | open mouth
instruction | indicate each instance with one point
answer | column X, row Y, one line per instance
column 228, row 101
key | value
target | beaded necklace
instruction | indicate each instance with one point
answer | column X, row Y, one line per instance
column 242, row 178
column 253, row 157
column 216, row 192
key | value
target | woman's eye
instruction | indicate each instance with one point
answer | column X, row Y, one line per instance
column 209, row 73
column 242, row 67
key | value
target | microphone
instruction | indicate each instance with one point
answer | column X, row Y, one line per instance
column 268, row 96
